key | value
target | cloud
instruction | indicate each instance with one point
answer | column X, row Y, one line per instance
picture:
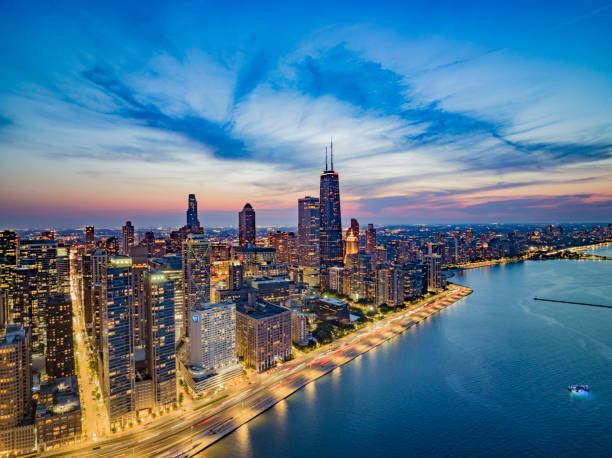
column 210, row 134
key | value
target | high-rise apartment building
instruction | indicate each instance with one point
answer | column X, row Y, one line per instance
column 118, row 367
column 370, row 246
column 127, row 240
column 63, row 269
column 330, row 233
column 59, row 354
column 196, row 273
column 160, row 340
column 15, row 376
column 435, row 281
column 308, row 243
column 246, row 225
column 389, row 285
column 192, row 212
column 139, row 267
column 23, row 298
column 16, row 432
column 415, row 280
column 263, row 334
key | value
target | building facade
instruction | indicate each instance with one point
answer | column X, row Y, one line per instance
column 59, row 354
column 118, row 365
column 263, row 334
column 160, row 341
column 330, row 232
column 196, row 274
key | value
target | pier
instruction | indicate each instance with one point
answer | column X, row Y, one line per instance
column 572, row 302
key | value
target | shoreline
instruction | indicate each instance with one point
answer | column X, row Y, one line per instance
column 383, row 331
column 493, row 262
column 199, row 429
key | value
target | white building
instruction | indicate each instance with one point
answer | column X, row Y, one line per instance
column 212, row 349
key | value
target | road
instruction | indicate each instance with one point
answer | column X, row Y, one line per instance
column 94, row 415
column 192, row 431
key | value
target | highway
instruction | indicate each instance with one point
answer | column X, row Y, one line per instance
column 188, row 433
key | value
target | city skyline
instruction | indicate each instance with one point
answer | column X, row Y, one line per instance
column 471, row 114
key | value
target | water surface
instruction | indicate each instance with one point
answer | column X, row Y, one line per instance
column 487, row 376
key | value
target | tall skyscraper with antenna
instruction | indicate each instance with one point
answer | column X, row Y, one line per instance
column 330, row 233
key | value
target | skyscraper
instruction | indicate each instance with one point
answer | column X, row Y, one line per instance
column 196, row 273
column 435, row 281
column 331, row 222
column 160, row 349
column 352, row 240
column 89, row 238
column 63, row 269
column 139, row 267
column 59, row 354
column 246, row 225
column 16, row 433
column 236, row 274
column 116, row 341
column 23, row 301
column 308, row 232
column 212, row 346
column 15, row 376
column 8, row 257
column 370, row 239
column 127, row 242
column 192, row 212
column 42, row 256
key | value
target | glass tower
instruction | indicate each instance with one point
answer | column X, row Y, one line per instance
column 192, row 212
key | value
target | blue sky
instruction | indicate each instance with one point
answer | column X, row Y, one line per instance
column 439, row 111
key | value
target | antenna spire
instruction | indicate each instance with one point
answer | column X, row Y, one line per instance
column 326, row 158
column 332, row 152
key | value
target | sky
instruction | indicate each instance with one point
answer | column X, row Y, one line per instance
column 440, row 112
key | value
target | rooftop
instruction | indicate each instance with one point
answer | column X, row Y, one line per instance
column 261, row 310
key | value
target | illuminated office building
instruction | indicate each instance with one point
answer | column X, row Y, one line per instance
column 8, row 257
column 90, row 240
column 330, row 232
column 127, row 240
column 370, row 246
column 352, row 240
column 24, row 308
column 308, row 232
column 285, row 245
column 196, row 273
column 246, row 226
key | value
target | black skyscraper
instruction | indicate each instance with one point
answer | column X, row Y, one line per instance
column 246, row 225
column 331, row 222
column 192, row 212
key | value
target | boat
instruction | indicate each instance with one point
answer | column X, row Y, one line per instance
column 579, row 388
